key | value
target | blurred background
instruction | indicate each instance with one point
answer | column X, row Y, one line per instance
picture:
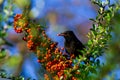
column 57, row 15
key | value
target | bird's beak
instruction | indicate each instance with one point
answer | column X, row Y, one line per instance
column 61, row 34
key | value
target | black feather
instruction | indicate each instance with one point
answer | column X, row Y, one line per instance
column 72, row 44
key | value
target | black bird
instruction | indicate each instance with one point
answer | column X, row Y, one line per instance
column 72, row 44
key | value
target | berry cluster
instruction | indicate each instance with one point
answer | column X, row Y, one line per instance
column 20, row 23
column 32, row 36
column 56, row 63
column 31, row 39
column 58, row 66
column 49, row 55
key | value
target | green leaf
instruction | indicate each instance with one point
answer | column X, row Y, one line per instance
column 1, row 17
column 90, row 42
column 2, row 54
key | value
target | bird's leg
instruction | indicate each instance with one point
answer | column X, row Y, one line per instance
column 66, row 55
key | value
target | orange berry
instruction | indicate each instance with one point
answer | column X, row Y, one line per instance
column 18, row 30
column 51, row 45
column 24, row 38
column 73, row 78
column 30, row 36
column 77, row 72
column 28, row 30
column 46, row 77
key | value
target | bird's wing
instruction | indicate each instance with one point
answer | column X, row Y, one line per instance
column 73, row 47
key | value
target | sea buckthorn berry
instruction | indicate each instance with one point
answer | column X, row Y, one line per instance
column 30, row 36
column 73, row 78
column 77, row 72
column 57, row 50
column 28, row 30
column 18, row 30
column 25, row 24
column 24, row 38
column 30, row 42
column 31, row 45
column 45, row 35
column 42, row 61
column 18, row 15
column 61, row 52
column 51, row 45
column 60, row 73
column 46, row 77
column 48, row 51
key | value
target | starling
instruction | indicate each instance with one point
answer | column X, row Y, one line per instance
column 72, row 44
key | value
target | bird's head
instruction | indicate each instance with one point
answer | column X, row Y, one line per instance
column 68, row 35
